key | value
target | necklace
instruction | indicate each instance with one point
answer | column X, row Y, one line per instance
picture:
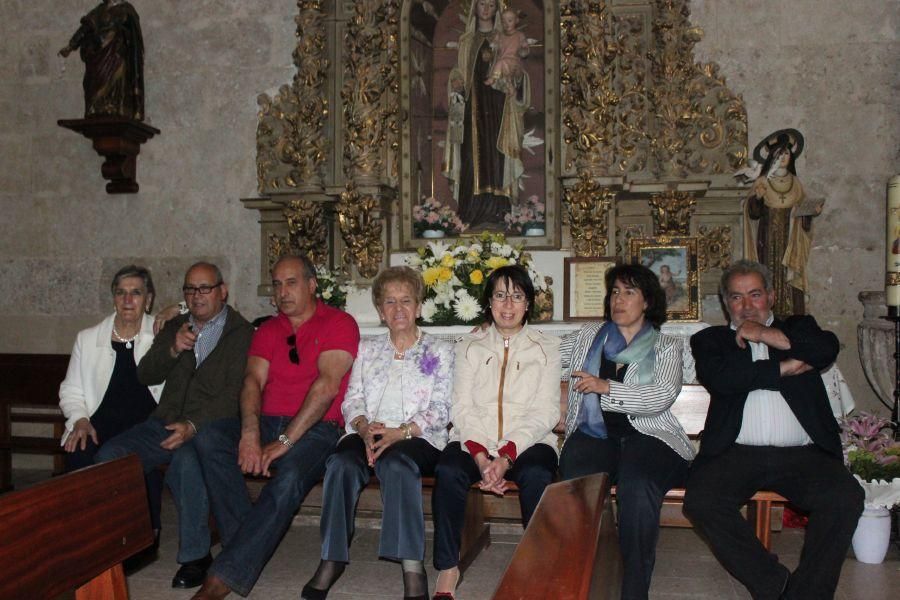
column 128, row 342
column 784, row 192
column 398, row 355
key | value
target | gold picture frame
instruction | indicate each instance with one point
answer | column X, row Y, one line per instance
column 674, row 260
column 584, row 287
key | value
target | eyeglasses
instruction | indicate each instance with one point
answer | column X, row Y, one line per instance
column 293, row 356
column 190, row 290
column 516, row 297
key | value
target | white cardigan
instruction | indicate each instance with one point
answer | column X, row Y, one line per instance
column 90, row 369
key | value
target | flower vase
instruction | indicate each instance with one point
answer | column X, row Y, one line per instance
column 534, row 232
column 432, row 234
column 872, row 535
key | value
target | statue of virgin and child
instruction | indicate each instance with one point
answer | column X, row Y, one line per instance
column 488, row 93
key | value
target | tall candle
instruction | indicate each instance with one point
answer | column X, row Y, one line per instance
column 892, row 251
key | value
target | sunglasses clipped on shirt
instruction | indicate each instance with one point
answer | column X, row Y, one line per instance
column 293, row 356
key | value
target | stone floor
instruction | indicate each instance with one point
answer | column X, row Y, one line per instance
column 684, row 566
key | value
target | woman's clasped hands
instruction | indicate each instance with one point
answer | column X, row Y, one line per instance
column 378, row 438
column 493, row 473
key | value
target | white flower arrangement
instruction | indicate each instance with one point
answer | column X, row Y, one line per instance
column 455, row 275
column 331, row 289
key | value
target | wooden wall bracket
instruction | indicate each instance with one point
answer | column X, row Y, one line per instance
column 118, row 140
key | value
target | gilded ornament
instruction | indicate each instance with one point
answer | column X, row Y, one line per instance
column 700, row 126
column 277, row 246
column 714, row 247
column 589, row 99
column 587, row 209
column 359, row 218
column 307, row 229
column 671, row 212
column 371, row 71
column 291, row 148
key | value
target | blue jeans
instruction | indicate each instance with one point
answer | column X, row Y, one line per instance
column 184, row 477
column 251, row 532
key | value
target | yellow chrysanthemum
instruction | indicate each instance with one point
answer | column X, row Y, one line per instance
column 430, row 276
column 476, row 276
column 495, row 262
column 448, row 261
column 444, row 274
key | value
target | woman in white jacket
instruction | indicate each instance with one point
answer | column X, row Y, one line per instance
column 101, row 395
column 505, row 405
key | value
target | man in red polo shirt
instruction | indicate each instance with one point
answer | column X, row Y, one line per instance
column 297, row 371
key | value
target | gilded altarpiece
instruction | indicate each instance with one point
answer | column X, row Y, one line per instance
column 625, row 134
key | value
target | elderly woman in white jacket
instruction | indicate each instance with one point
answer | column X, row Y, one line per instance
column 100, row 396
column 624, row 374
column 505, row 405
column 396, row 410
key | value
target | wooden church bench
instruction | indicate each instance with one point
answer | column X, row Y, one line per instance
column 29, row 395
column 73, row 532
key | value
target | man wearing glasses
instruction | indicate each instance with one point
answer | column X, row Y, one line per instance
column 297, row 372
column 201, row 357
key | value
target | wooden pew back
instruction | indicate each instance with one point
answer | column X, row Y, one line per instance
column 570, row 549
column 74, row 531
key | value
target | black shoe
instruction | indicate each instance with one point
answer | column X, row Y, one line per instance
column 311, row 593
column 191, row 574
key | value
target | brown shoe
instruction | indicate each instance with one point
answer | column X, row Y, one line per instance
column 213, row 589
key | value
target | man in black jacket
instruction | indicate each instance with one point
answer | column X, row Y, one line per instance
column 770, row 427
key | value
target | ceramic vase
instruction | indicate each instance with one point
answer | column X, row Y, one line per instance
column 872, row 536
column 533, row 232
column 432, row 234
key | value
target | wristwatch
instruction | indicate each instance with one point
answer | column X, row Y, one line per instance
column 406, row 428
column 285, row 440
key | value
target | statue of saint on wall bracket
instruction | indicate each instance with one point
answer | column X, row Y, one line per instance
column 111, row 45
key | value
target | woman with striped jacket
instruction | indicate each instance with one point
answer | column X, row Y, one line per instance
column 624, row 374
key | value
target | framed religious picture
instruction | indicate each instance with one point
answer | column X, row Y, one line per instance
column 584, row 287
column 674, row 260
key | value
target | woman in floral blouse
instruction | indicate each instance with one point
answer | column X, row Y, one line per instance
column 397, row 408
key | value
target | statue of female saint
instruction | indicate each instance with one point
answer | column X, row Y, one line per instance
column 112, row 49
column 783, row 233
column 488, row 93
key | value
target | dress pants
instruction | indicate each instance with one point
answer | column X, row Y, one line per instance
column 183, row 476
column 643, row 469
column 811, row 479
column 251, row 532
column 533, row 470
column 399, row 470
